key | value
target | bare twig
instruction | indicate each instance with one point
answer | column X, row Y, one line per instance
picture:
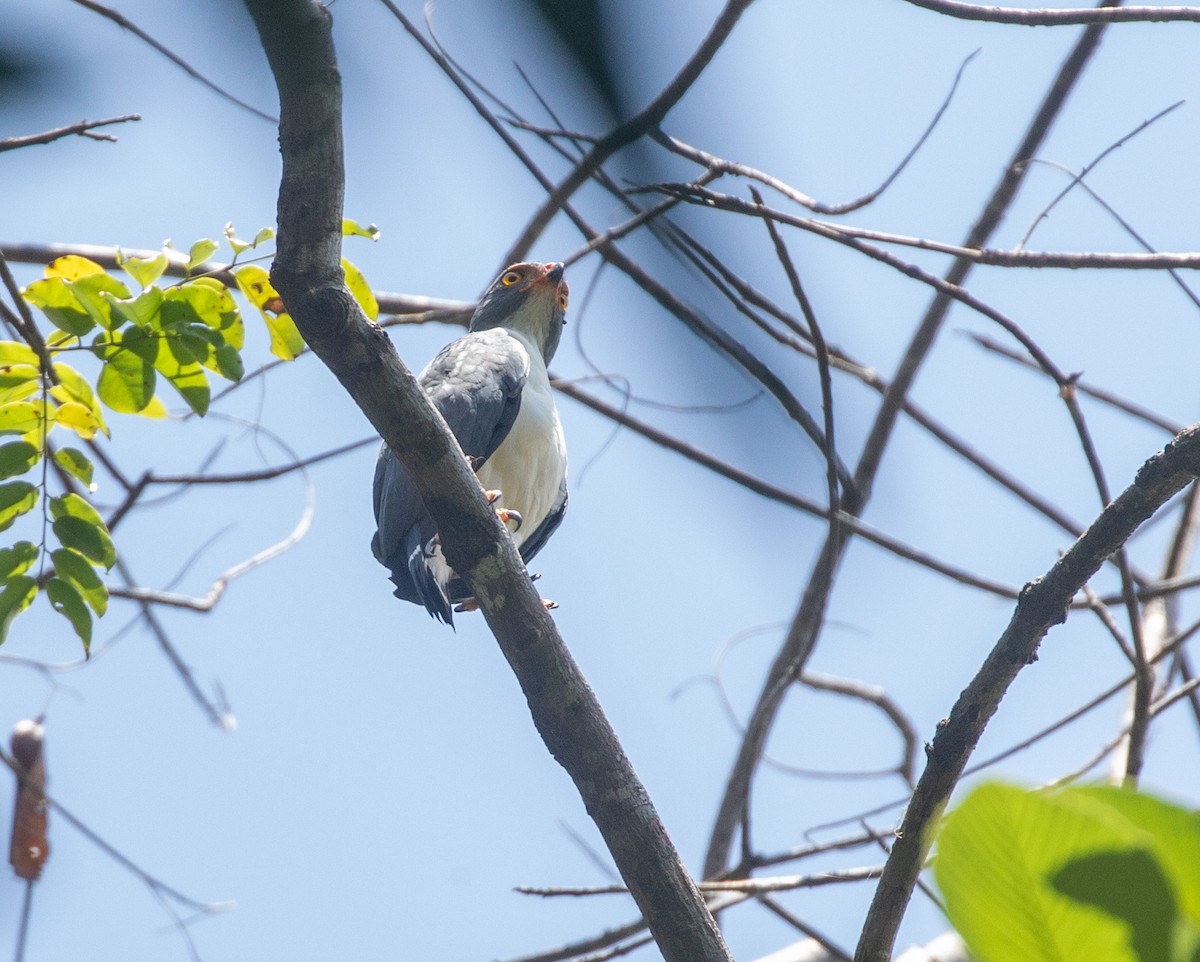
column 85, row 128
column 126, row 24
column 1059, row 18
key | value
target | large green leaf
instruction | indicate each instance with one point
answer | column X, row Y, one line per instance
column 18, row 594
column 20, row 417
column 995, row 855
column 66, row 601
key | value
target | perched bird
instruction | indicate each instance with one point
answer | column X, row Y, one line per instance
column 492, row 387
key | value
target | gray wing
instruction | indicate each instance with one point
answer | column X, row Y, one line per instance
column 476, row 384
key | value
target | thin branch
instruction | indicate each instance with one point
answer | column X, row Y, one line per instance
column 717, row 165
column 1059, row 18
column 646, row 120
column 85, row 128
column 126, row 24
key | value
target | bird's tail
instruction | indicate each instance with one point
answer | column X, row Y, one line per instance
column 423, row 558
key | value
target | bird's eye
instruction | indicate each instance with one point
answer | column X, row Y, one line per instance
column 510, row 278
column 562, row 302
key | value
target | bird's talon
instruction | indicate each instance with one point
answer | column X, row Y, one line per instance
column 548, row 604
column 508, row 514
column 467, row 604
column 493, row 495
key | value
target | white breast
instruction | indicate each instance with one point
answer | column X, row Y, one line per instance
column 530, row 465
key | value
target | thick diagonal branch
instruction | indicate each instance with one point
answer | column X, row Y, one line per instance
column 1042, row 605
column 307, row 274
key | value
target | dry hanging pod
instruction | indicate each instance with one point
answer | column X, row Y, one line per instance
column 29, row 849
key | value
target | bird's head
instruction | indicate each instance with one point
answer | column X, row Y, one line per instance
column 530, row 298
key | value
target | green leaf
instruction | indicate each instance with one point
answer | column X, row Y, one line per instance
column 1128, row 885
column 998, row 854
column 352, row 228
column 238, row 245
column 201, row 251
column 17, row 457
column 127, row 380
column 16, row 498
column 230, row 322
column 142, row 311
column 186, row 376
column 55, row 298
column 1172, row 831
column 91, row 541
column 72, row 386
column 71, row 505
column 75, row 463
column 144, row 270
column 17, row 560
column 19, row 417
column 229, row 362
column 360, row 289
column 18, row 594
column 14, row 352
column 97, row 293
column 67, row 602
column 19, row 381
column 73, row 567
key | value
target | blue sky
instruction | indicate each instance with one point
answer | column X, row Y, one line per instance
column 384, row 790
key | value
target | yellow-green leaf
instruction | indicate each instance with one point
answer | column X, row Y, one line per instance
column 71, row 267
column 78, row 418
column 144, row 270
column 352, row 228
column 19, row 381
column 20, row 417
column 72, row 386
column 143, row 310
column 55, row 298
column 75, row 463
column 255, row 283
column 96, row 293
column 201, row 251
column 14, row 352
column 360, row 289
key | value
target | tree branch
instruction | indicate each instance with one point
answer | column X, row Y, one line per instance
column 297, row 39
column 1043, row 604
